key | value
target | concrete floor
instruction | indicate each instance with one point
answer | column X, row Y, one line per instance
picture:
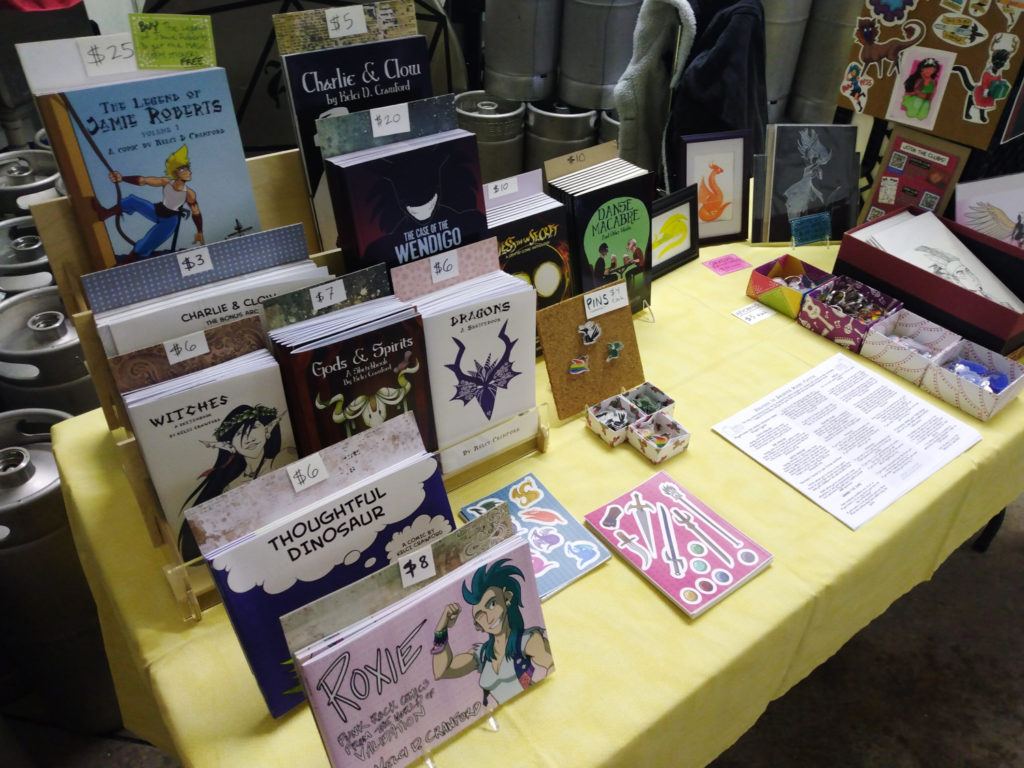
column 936, row 682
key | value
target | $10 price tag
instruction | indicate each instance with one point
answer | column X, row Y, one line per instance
column 194, row 261
column 186, row 347
column 444, row 266
column 387, row 121
column 496, row 189
column 345, row 21
column 307, row 471
column 327, row 295
column 417, row 566
column 605, row 300
column 107, row 54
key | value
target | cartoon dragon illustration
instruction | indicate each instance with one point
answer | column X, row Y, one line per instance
column 482, row 383
column 710, row 196
column 875, row 51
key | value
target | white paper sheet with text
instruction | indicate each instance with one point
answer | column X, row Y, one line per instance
column 848, row 438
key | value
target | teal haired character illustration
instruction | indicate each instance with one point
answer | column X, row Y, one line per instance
column 507, row 661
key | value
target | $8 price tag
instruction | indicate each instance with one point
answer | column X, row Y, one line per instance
column 186, row 347
column 307, row 471
column 605, row 300
column 327, row 295
column 194, row 261
column 444, row 266
column 107, row 54
column 345, row 21
column 387, row 121
column 417, row 566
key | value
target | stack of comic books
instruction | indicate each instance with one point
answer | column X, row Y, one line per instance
column 455, row 628
column 301, row 532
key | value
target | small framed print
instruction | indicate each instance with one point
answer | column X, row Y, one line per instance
column 674, row 230
column 719, row 165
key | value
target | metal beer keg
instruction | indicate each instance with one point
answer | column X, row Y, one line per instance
column 24, row 172
column 554, row 129
column 21, row 249
column 597, row 44
column 51, row 632
column 498, row 125
column 608, row 128
column 521, row 48
column 41, row 360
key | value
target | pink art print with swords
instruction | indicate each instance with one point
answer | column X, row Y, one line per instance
column 678, row 543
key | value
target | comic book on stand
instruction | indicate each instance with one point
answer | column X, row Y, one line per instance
column 209, row 431
column 403, row 201
column 561, row 549
column 609, row 210
column 679, row 544
column 313, row 527
column 443, row 639
column 152, row 165
column 354, row 368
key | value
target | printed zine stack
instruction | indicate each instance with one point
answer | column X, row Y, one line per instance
column 308, row 529
column 438, row 638
column 479, row 328
column 206, row 432
column 403, row 201
column 609, row 206
column 355, row 368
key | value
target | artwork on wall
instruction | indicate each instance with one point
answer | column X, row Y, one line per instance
column 674, row 230
column 719, row 164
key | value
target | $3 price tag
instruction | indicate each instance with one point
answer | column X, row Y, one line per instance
column 186, row 347
column 387, row 121
column 307, row 471
column 605, row 300
column 345, row 21
column 417, row 566
column 194, row 261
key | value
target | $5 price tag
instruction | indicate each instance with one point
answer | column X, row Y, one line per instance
column 605, row 300
column 387, row 121
column 417, row 566
column 345, row 21
column 194, row 261
column 186, row 347
column 307, row 471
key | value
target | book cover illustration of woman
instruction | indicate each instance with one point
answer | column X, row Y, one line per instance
column 919, row 88
column 508, row 660
column 248, row 441
column 803, row 196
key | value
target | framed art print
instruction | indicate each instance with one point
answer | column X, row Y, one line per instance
column 719, row 164
column 674, row 230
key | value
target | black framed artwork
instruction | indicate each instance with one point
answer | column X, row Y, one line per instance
column 674, row 230
column 719, row 165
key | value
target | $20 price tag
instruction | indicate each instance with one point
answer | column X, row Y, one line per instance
column 186, row 347
column 605, row 300
column 417, row 566
column 387, row 121
column 307, row 471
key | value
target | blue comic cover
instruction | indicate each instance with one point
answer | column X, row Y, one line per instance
column 561, row 549
column 152, row 166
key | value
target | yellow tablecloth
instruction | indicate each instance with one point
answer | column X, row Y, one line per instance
column 637, row 682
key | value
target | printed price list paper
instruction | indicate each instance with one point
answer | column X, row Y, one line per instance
column 849, row 439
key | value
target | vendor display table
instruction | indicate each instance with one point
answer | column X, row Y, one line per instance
column 636, row 681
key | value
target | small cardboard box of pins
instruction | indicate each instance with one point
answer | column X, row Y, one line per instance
column 782, row 284
column 643, row 417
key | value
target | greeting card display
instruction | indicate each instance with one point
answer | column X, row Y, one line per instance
column 678, row 543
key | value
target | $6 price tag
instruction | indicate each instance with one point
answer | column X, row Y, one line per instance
column 307, row 471
column 417, row 566
column 186, row 347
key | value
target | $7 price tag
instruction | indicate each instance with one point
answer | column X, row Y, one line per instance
column 417, row 566
column 194, row 261
column 186, row 347
column 327, row 294
column 345, row 21
column 387, row 121
column 605, row 300
column 307, row 471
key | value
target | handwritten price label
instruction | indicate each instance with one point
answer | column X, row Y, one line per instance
column 307, row 471
column 387, row 121
column 344, row 22
column 327, row 295
column 597, row 303
column 576, row 157
column 194, row 261
column 417, row 566
column 107, row 54
column 186, row 347
column 444, row 266
column 172, row 40
column 501, row 188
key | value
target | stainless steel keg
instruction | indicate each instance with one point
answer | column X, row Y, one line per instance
column 498, row 125
column 608, row 127
column 21, row 248
column 597, row 44
column 25, row 172
column 521, row 48
column 784, row 24
column 554, row 129
column 41, row 360
column 50, row 623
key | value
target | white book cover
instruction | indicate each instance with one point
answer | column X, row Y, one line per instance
column 481, row 358
column 206, row 433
